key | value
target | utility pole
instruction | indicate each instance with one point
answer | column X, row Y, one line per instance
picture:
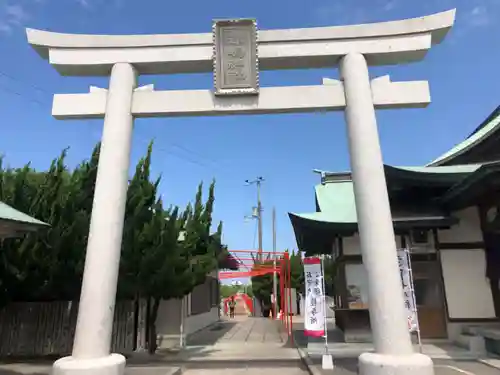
column 275, row 275
column 258, row 181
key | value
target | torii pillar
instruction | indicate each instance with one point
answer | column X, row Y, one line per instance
column 354, row 48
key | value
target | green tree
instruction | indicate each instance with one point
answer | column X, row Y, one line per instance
column 34, row 266
column 170, row 267
column 229, row 290
column 155, row 265
column 163, row 268
column 140, row 209
column 262, row 285
column 198, row 243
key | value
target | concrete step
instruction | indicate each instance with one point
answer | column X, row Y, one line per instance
column 463, row 340
column 474, row 344
column 478, row 329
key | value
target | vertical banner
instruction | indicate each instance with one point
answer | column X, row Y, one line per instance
column 314, row 323
column 408, row 291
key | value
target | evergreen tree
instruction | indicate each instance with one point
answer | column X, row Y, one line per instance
column 48, row 264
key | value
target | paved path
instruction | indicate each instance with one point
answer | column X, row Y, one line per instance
column 441, row 367
column 248, row 371
column 239, row 342
column 240, row 330
column 245, row 346
column 243, row 338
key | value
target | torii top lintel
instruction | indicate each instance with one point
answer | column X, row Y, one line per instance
column 382, row 43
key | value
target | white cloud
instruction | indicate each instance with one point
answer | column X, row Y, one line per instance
column 16, row 14
column 390, row 5
column 340, row 13
column 345, row 12
column 84, row 3
column 5, row 28
column 479, row 16
column 93, row 4
column 12, row 16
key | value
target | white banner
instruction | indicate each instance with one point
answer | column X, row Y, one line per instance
column 409, row 293
column 314, row 322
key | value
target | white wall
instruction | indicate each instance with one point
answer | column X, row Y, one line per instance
column 468, row 293
column 357, row 279
column 352, row 246
column 194, row 323
column 467, row 230
column 168, row 322
column 291, row 302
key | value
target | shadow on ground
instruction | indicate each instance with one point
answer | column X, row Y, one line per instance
column 210, row 335
column 169, row 356
column 23, row 370
column 301, row 340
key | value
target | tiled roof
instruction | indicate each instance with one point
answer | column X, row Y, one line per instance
column 8, row 213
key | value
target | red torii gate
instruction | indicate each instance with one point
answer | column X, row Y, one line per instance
column 265, row 265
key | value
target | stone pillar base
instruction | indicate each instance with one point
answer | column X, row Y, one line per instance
column 114, row 364
column 385, row 364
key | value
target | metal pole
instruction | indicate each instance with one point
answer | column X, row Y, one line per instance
column 275, row 275
column 289, row 303
column 259, row 213
column 415, row 311
column 258, row 181
column 324, row 304
column 282, row 289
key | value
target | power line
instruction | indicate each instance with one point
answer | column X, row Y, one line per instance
column 188, row 150
column 17, row 93
column 181, row 147
column 26, row 83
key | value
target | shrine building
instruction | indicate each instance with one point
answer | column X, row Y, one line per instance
column 446, row 213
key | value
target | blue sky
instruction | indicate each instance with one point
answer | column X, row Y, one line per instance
column 462, row 71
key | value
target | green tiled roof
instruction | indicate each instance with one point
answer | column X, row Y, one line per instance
column 336, row 203
column 424, row 176
column 338, row 207
column 469, row 168
column 8, row 213
column 482, row 133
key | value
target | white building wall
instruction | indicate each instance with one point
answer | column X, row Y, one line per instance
column 168, row 323
column 468, row 293
column 169, row 320
column 467, row 290
column 196, row 322
column 352, row 246
column 357, row 284
column 467, row 230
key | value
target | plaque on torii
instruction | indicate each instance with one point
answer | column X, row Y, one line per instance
column 236, row 61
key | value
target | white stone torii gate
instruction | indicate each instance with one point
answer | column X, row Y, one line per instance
column 354, row 48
